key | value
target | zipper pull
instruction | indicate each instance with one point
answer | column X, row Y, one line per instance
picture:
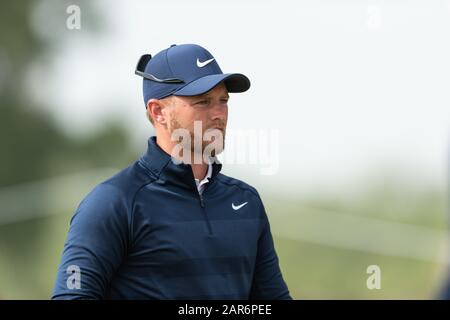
column 202, row 203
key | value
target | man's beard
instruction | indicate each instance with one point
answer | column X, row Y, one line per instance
column 196, row 145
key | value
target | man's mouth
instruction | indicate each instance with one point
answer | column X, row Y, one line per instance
column 217, row 128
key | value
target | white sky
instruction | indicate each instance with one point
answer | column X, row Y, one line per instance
column 354, row 87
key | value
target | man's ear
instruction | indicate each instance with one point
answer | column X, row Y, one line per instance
column 154, row 111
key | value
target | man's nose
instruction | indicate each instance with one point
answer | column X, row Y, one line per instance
column 219, row 111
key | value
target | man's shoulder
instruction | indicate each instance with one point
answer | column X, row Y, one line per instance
column 237, row 183
column 123, row 185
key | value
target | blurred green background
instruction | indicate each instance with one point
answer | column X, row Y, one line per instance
column 324, row 242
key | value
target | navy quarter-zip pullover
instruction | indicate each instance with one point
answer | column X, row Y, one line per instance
column 147, row 233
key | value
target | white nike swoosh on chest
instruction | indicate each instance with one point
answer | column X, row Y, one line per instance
column 237, row 207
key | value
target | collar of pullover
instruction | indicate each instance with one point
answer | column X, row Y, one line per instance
column 160, row 163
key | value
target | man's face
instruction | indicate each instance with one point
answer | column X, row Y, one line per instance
column 208, row 111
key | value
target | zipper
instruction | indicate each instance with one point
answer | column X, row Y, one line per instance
column 202, row 204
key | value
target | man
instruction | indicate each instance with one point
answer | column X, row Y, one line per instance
column 171, row 226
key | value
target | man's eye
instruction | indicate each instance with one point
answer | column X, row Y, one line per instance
column 202, row 102
column 224, row 100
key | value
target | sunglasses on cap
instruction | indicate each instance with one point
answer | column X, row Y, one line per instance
column 140, row 71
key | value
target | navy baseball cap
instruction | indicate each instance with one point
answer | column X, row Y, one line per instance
column 185, row 70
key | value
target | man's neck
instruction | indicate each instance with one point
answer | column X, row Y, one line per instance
column 199, row 170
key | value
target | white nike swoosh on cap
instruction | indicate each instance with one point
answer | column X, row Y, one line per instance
column 204, row 63
column 239, row 206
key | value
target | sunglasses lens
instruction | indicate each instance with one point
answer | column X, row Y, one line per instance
column 143, row 61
